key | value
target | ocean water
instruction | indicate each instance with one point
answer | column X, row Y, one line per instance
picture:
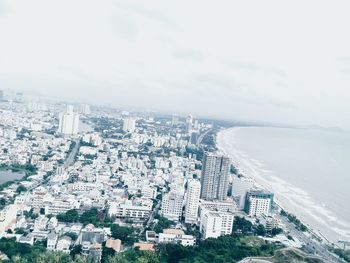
column 308, row 170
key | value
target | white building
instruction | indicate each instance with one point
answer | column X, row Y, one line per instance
column 128, row 209
column 176, row 236
column 258, row 203
column 84, row 109
column 68, row 122
column 129, row 125
column 40, row 224
column 7, row 217
column 214, row 224
column 52, row 239
column 216, row 218
column 240, row 187
column 63, row 244
column 192, row 201
column 172, row 205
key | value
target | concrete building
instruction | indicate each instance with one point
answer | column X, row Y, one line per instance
column 129, row 124
column 172, row 205
column 128, row 209
column 258, row 203
column 189, row 124
column 52, row 239
column 7, row 217
column 214, row 224
column 176, row 236
column 84, row 109
column 68, row 122
column 192, row 201
column 240, row 187
column 214, row 179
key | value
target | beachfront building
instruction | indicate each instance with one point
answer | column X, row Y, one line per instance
column 258, row 203
column 215, row 174
column 240, row 187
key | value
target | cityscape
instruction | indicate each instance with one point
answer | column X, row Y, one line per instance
column 137, row 131
column 89, row 183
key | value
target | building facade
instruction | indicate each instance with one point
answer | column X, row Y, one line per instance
column 215, row 175
column 192, row 201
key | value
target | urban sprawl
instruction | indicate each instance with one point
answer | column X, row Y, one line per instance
column 97, row 182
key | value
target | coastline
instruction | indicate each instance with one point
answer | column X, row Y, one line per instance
column 242, row 162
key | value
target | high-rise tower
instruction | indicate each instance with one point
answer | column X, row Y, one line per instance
column 215, row 173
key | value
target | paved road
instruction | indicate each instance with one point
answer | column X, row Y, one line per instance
column 311, row 246
column 153, row 214
column 201, row 137
column 70, row 159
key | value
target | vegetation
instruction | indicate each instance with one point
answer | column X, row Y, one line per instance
column 223, row 249
column 344, row 254
column 125, row 234
column 162, row 223
column 260, row 230
column 21, row 189
column 28, row 253
column 233, row 169
column 243, row 226
column 292, row 218
column 92, row 216
column 70, row 216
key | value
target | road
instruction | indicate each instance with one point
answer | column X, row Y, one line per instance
column 153, row 214
column 71, row 158
column 312, row 246
column 200, row 138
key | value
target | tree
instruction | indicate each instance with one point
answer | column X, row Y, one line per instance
column 125, row 234
column 162, row 223
column 21, row 189
column 260, row 230
column 91, row 216
column 72, row 235
column 241, row 225
column 71, row 216
column 276, row 231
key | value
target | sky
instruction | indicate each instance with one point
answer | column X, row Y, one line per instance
column 274, row 61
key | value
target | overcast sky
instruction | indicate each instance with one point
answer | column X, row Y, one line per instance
column 280, row 61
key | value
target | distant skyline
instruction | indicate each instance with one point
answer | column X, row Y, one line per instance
column 269, row 61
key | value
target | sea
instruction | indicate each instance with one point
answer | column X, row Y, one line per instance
column 308, row 171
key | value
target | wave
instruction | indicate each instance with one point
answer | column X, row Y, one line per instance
column 293, row 198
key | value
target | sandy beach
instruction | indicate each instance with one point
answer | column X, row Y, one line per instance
column 291, row 198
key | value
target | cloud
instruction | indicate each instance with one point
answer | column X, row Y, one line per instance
column 224, row 59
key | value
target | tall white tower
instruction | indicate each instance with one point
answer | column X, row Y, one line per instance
column 68, row 121
column 129, row 125
column 192, row 201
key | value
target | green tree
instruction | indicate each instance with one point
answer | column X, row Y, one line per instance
column 21, row 189
column 71, row 216
column 125, row 234
column 260, row 230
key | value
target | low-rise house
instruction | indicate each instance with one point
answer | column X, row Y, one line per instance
column 63, row 244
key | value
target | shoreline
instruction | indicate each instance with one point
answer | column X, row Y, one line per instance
column 249, row 172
